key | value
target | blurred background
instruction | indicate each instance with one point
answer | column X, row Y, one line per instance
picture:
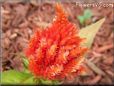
column 20, row 18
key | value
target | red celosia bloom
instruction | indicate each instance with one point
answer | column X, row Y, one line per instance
column 55, row 53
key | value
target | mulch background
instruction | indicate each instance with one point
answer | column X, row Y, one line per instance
column 20, row 20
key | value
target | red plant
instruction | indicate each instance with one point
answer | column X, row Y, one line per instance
column 55, row 52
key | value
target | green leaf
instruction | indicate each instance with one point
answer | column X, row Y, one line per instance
column 25, row 62
column 42, row 81
column 89, row 32
column 16, row 77
column 81, row 19
column 87, row 14
column 49, row 82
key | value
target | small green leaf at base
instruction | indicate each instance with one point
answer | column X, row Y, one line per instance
column 13, row 77
column 16, row 77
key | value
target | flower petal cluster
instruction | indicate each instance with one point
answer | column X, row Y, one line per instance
column 56, row 52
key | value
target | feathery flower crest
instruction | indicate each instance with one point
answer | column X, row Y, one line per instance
column 55, row 52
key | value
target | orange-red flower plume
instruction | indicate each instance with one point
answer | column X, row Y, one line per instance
column 55, row 52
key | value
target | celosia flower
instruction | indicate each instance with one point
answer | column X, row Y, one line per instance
column 55, row 52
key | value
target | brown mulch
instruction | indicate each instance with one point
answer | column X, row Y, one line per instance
column 20, row 20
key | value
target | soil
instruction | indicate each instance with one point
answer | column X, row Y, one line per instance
column 20, row 20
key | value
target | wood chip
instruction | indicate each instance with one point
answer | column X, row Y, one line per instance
column 104, row 48
column 94, row 80
column 109, row 60
column 13, row 36
column 95, row 68
column 110, row 73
